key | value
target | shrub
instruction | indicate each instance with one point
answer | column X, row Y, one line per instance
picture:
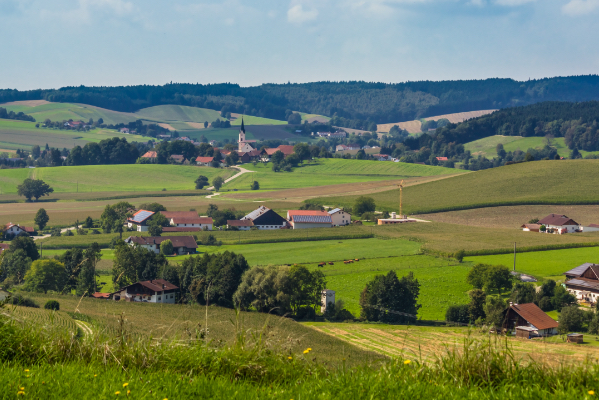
column 69, row 233
column 458, row 313
column 570, row 320
column 52, row 305
column 19, row 300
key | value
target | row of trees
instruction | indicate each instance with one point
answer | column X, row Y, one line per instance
column 5, row 114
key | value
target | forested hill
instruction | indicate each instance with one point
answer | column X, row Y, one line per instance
column 350, row 101
column 576, row 122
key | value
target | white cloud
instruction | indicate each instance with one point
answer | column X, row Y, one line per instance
column 298, row 15
column 512, row 2
column 580, row 7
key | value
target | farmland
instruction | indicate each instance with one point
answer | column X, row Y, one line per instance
column 173, row 112
column 101, row 178
column 516, row 184
column 333, row 171
column 251, row 120
column 66, row 111
column 487, row 146
column 414, row 126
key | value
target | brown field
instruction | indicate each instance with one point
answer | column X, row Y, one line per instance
column 196, row 125
column 514, row 217
column 68, row 210
column 28, row 103
column 166, row 126
column 170, row 321
column 427, row 343
column 414, row 126
column 301, row 194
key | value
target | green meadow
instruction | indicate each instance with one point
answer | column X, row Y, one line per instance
column 106, row 178
column 171, row 112
column 251, row 120
column 516, row 184
column 66, row 111
column 543, row 264
column 332, row 171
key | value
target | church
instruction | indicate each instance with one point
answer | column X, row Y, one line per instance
column 244, row 145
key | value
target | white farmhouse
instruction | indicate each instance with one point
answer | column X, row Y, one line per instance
column 140, row 220
column 557, row 223
column 153, row 291
column 340, row 217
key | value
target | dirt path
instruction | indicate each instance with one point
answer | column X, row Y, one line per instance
column 84, row 327
column 64, row 230
column 241, row 172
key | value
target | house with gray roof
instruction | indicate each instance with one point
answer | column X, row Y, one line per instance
column 265, row 218
column 583, row 282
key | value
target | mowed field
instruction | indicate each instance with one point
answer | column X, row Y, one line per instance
column 415, row 126
column 171, row 112
column 23, row 135
column 251, row 120
column 424, row 343
column 509, row 185
column 487, row 147
column 66, row 111
column 333, row 171
column 109, row 178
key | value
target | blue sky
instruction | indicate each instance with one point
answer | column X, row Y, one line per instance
column 54, row 43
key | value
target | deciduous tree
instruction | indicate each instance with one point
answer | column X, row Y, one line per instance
column 41, row 218
column 33, row 188
column 45, row 275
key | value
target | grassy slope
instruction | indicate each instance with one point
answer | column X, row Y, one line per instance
column 103, row 178
column 23, row 134
column 487, row 146
column 171, row 112
column 539, row 182
column 250, row 120
column 66, row 111
column 333, row 171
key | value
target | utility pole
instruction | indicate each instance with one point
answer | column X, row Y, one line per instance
column 514, row 256
column 401, row 199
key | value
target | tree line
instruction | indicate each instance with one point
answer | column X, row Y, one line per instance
column 5, row 114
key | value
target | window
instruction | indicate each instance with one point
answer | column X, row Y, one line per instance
column 159, row 297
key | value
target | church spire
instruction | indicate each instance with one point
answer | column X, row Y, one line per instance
column 242, row 129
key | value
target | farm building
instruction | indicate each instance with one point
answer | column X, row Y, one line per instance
column 531, row 227
column 302, row 219
column 12, row 230
column 242, row 224
column 4, row 246
column 249, row 156
column 153, row 291
column 340, row 217
column 591, row 228
column 265, row 218
column 178, row 158
column 150, row 155
column 557, row 223
column 140, row 220
column 181, row 244
column 583, row 282
column 528, row 320
column 202, row 223
column 394, row 220
column 205, row 161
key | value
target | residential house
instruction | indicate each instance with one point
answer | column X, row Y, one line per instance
column 74, row 124
column 590, row 228
column 265, row 219
column 181, row 244
column 441, row 159
column 382, row 157
column 338, row 135
column 284, row 148
column 249, row 156
column 140, row 220
column 12, row 230
column 528, row 320
column 557, row 223
column 531, row 227
column 178, row 158
column 202, row 223
column 204, row 161
column 340, row 217
column 242, row 224
column 212, row 143
column 341, row 147
column 124, row 130
column 583, row 282
column 302, row 219
column 150, row 155
column 4, row 246
column 153, row 291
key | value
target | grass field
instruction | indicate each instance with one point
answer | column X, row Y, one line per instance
column 251, row 120
column 171, row 112
column 487, row 146
column 105, row 178
column 415, row 126
column 516, row 184
column 23, row 135
column 333, row 171
column 543, row 264
column 66, row 111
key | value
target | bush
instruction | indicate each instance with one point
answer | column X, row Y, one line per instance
column 305, row 313
column 458, row 313
column 19, row 300
column 69, row 233
column 52, row 305
column 570, row 320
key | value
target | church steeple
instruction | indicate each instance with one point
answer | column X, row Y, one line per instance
column 242, row 129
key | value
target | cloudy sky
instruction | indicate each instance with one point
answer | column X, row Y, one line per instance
column 54, row 43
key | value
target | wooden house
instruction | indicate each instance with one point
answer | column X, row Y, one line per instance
column 528, row 320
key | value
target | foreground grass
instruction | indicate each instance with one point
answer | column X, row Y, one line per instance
column 508, row 185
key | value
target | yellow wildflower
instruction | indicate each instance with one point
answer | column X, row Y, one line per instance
column 592, row 392
column 95, row 375
column 309, row 348
column 407, row 362
column 22, row 388
column 306, row 351
column 128, row 392
column 125, row 384
column 26, row 370
column 20, row 392
column 117, row 392
column 27, row 376
column 290, row 358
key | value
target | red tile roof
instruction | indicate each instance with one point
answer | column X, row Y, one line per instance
column 534, row 315
column 27, row 229
column 194, row 220
column 150, row 154
column 179, row 214
column 99, row 295
column 168, row 229
column 4, row 246
column 441, row 158
column 286, row 149
column 204, row 160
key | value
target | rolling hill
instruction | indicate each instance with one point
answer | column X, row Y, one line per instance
column 539, row 182
column 414, row 126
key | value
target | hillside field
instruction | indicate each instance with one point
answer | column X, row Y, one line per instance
column 415, row 125
column 509, row 185
column 252, row 120
column 66, row 111
column 487, row 147
column 173, row 112
column 331, row 171
column 109, row 178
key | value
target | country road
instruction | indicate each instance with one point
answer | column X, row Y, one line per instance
column 241, row 172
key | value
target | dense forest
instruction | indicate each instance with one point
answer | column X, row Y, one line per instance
column 358, row 104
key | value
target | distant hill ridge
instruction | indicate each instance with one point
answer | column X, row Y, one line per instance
column 353, row 101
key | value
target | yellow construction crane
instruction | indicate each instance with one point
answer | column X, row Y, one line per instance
column 401, row 199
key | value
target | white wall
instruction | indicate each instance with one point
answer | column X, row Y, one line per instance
column 306, row 225
column 341, row 218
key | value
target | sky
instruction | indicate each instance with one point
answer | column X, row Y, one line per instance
column 56, row 43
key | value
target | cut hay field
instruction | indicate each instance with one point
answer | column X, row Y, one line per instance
column 314, row 117
column 516, row 184
column 424, row 343
column 415, row 126
column 66, row 111
column 514, row 216
column 333, row 171
column 23, row 135
column 171, row 112
column 543, row 264
column 181, row 321
column 108, row 178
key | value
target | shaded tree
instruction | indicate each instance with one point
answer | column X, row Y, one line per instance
column 45, row 275
column 33, row 188
column 41, row 218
